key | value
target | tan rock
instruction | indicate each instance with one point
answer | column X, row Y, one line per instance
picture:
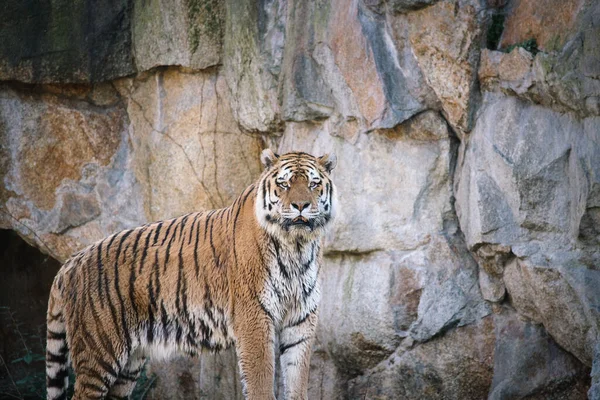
column 58, row 150
column 445, row 39
column 356, row 63
column 512, row 72
column 189, row 153
column 549, row 22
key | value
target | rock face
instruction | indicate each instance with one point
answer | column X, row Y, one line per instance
column 464, row 261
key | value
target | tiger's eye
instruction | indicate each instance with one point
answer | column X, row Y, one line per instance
column 283, row 185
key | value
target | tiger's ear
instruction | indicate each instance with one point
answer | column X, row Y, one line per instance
column 328, row 161
column 268, row 158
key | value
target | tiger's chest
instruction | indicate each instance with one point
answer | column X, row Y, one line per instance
column 292, row 286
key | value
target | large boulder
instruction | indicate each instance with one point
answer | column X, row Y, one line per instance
column 446, row 40
column 499, row 357
column 65, row 155
column 64, row 41
column 539, row 196
column 188, row 151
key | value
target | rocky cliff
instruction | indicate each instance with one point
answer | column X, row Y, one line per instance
column 465, row 261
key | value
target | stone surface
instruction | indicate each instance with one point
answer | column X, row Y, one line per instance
column 529, row 364
column 457, row 365
column 210, row 376
column 446, row 42
column 565, row 80
column 549, row 22
column 500, row 357
column 65, row 41
column 66, row 182
column 187, row 33
column 541, row 168
column 188, row 152
column 252, row 52
column 535, row 198
column 79, row 41
column 564, row 298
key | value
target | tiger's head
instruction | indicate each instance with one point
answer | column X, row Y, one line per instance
column 296, row 195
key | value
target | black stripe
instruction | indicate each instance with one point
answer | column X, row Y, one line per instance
column 212, row 245
column 196, row 264
column 112, row 239
column 100, row 267
column 183, row 222
column 157, row 233
column 56, row 335
column 126, row 332
column 150, row 287
column 59, row 380
column 56, row 358
column 301, row 320
column 156, row 277
column 150, row 329
column 284, row 347
column 164, row 320
column 168, row 253
column 168, row 230
column 266, row 311
column 106, row 280
column 144, row 252
column 179, row 283
column 95, row 388
column 194, row 222
column 140, row 232
column 208, row 304
column 282, row 267
column 207, row 220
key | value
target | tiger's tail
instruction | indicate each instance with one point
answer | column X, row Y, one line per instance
column 57, row 365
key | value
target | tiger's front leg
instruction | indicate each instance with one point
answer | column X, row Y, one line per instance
column 255, row 350
column 295, row 342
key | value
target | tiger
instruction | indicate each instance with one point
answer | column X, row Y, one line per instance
column 245, row 276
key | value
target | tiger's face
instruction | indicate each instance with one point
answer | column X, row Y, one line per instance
column 296, row 195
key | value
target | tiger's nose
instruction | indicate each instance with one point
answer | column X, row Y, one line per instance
column 301, row 205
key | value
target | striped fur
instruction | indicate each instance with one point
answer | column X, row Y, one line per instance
column 238, row 276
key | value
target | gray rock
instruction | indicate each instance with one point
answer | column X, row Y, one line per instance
column 541, row 167
column 594, row 392
column 529, row 364
column 563, row 298
column 212, row 376
column 419, row 155
column 252, row 52
column 65, row 41
column 456, row 365
column 500, row 357
column 188, row 33
column 564, row 80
